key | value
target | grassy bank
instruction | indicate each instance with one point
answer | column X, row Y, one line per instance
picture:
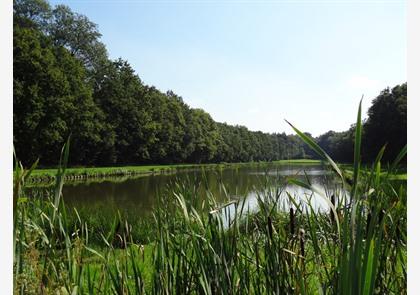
column 47, row 175
column 399, row 174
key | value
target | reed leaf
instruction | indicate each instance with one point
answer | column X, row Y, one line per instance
column 314, row 146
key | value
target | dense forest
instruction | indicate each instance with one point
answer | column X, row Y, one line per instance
column 64, row 83
column 386, row 125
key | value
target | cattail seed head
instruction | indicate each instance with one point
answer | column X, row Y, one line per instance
column 270, row 227
column 302, row 241
column 292, row 221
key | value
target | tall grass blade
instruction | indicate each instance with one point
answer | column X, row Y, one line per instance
column 64, row 156
column 318, row 150
column 357, row 147
column 398, row 159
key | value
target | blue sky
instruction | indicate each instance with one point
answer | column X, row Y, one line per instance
column 256, row 63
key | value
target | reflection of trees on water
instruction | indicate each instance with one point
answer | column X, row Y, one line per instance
column 140, row 194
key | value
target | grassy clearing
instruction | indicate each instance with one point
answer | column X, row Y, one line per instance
column 199, row 246
column 396, row 175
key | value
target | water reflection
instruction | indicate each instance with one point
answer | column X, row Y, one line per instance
column 139, row 195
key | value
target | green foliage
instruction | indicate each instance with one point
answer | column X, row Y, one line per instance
column 32, row 13
column 365, row 224
column 386, row 124
column 64, row 83
column 51, row 100
column 79, row 35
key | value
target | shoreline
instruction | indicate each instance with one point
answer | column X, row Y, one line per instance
column 81, row 173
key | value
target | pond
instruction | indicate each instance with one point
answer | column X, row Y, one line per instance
column 138, row 195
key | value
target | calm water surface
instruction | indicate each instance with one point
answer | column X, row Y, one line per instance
column 138, row 195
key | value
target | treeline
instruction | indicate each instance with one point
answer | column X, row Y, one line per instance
column 386, row 125
column 65, row 83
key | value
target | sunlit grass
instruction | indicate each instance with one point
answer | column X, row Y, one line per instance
column 89, row 172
